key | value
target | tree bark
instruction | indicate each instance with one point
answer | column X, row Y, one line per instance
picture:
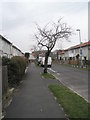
column 46, row 61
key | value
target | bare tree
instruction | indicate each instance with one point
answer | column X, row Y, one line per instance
column 36, row 48
column 48, row 36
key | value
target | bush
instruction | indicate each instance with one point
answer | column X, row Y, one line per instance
column 5, row 61
column 16, row 69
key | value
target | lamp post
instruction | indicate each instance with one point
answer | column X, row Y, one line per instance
column 80, row 47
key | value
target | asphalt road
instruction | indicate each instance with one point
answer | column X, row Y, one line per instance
column 74, row 78
column 33, row 99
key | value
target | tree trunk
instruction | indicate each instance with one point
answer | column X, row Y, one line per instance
column 46, row 61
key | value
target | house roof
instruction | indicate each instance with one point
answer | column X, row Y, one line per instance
column 60, row 52
column 79, row 45
column 74, row 47
column 3, row 38
column 16, row 48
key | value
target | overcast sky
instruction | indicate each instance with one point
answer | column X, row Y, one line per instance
column 19, row 17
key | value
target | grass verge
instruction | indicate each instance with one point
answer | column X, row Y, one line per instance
column 48, row 75
column 36, row 64
column 74, row 106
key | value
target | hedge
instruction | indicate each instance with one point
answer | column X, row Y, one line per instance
column 5, row 61
column 16, row 69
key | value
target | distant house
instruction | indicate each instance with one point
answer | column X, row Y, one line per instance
column 73, row 53
column 31, row 57
column 8, row 49
column 27, row 55
column 60, row 54
column 41, row 53
column 56, row 54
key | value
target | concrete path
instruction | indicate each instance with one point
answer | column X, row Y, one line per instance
column 33, row 99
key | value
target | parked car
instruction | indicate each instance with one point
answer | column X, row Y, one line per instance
column 39, row 60
column 49, row 61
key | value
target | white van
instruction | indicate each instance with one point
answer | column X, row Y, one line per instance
column 39, row 60
column 49, row 61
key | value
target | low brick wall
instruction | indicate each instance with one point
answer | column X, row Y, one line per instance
column 73, row 62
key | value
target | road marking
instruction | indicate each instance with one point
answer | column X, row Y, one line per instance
column 78, row 94
column 52, row 70
column 58, row 73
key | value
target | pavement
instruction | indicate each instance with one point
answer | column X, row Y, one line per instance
column 0, row 109
column 0, row 89
column 73, row 78
column 33, row 99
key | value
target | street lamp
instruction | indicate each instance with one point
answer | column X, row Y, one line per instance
column 80, row 46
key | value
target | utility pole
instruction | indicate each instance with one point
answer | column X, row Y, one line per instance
column 80, row 48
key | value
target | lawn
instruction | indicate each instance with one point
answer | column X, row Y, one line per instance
column 74, row 106
column 48, row 75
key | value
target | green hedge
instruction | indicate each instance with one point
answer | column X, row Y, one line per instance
column 16, row 69
column 5, row 61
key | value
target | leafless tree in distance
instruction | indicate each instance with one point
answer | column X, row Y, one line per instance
column 36, row 48
column 50, row 34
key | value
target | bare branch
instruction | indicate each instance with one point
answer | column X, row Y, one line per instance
column 48, row 37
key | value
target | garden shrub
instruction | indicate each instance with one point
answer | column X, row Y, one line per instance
column 16, row 69
column 5, row 61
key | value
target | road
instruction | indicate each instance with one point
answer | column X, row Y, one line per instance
column 74, row 78
column 33, row 99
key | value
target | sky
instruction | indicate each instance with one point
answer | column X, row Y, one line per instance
column 18, row 18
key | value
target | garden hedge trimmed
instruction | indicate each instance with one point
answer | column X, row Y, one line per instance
column 16, row 69
column 5, row 61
